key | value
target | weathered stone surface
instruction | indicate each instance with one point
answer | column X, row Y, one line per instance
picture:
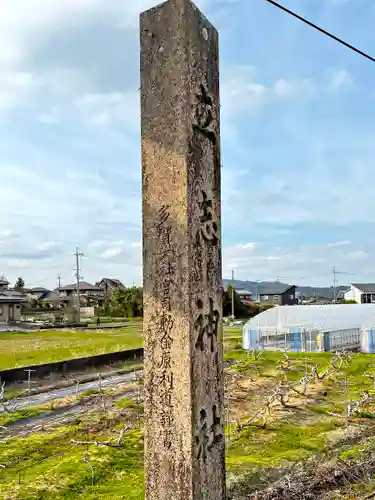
column 184, row 442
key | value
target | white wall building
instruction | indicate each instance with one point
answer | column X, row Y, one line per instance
column 362, row 293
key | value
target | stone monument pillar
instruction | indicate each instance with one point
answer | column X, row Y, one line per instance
column 184, row 404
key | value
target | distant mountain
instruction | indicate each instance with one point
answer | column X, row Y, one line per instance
column 307, row 291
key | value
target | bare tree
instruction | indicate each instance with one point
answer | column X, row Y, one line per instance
column 284, row 389
column 354, row 407
column 87, row 460
column 110, row 444
column 6, row 405
column 257, row 354
column 285, row 365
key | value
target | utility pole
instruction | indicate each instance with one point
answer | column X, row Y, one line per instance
column 257, row 290
column 78, row 254
column 233, row 294
column 334, row 284
column 59, row 280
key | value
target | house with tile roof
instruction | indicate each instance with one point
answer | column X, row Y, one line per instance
column 362, row 293
column 109, row 285
column 89, row 293
column 278, row 294
column 10, row 303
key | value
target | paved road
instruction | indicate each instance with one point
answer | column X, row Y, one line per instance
column 39, row 399
column 48, row 419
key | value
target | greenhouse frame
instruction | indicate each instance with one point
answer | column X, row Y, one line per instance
column 312, row 328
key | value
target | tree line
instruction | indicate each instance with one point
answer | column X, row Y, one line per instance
column 128, row 302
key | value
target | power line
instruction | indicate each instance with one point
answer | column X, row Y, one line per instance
column 321, row 30
column 335, row 282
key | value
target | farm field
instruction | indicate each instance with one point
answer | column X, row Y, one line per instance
column 288, row 418
column 313, row 410
column 46, row 346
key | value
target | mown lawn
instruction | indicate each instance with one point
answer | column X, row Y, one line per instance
column 33, row 348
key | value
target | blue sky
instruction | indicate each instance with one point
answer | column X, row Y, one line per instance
column 298, row 147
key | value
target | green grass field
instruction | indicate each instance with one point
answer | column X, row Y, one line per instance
column 47, row 466
column 47, row 346
column 33, row 348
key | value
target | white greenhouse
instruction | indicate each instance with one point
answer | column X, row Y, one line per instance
column 312, row 328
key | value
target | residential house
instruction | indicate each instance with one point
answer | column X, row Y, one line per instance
column 244, row 295
column 278, row 294
column 109, row 285
column 91, row 294
column 10, row 303
column 362, row 293
column 36, row 293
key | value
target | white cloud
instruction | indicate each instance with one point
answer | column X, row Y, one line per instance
column 305, row 264
column 340, row 80
column 242, row 91
column 337, row 3
column 61, row 94
column 49, row 118
column 7, row 235
column 282, row 87
column 110, row 253
column 25, row 25
column 294, row 88
column 48, row 246
column 14, row 88
column 358, row 255
column 70, row 163
column 20, row 263
column 239, row 90
column 97, row 244
column 314, row 187
column 106, row 108
column 343, row 243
